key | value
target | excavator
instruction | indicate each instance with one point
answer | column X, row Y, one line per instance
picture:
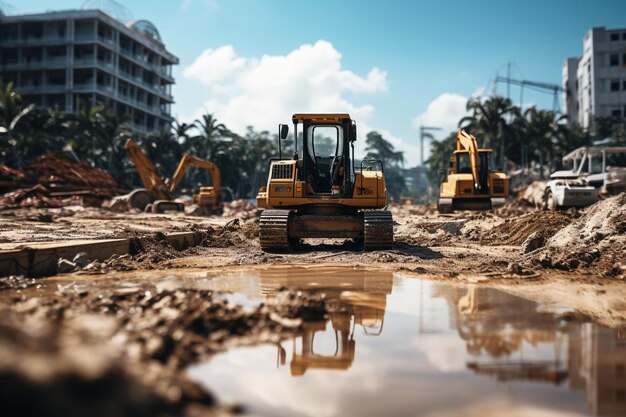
column 470, row 183
column 158, row 194
column 319, row 193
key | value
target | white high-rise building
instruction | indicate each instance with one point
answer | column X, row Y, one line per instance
column 62, row 59
column 595, row 83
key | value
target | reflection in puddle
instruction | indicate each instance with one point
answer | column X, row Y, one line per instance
column 400, row 346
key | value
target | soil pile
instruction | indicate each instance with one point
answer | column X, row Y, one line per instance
column 595, row 239
column 515, row 230
column 122, row 352
column 533, row 194
column 55, row 169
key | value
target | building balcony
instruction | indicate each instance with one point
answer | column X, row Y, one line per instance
column 93, row 62
column 41, row 88
column 45, row 40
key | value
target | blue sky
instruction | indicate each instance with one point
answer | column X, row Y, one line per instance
column 387, row 61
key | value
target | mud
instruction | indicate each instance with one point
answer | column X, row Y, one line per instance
column 120, row 351
column 123, row 343
column 120, row 335
column 514, row 239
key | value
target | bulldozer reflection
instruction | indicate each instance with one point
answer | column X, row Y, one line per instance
column 359, row 299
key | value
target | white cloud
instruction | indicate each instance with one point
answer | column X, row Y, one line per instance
column 445, row 112
column 214, row 65
column 263, row 91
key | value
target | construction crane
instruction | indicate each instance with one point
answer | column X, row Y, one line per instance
column 542, row 87
column 425, row 134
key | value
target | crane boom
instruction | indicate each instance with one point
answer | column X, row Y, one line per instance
column 150, row 177
column 467, row 142
column 184, row 163
column 537, row 84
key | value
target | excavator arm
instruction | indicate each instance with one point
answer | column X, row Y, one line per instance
column 466, row 142
column 184, row 163
column 150, row 178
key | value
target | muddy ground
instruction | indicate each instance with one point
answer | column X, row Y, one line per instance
column 124, row 349
column 516, row 240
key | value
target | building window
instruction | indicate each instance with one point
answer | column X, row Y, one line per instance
column 624, row 85
column 615, row 113
column 624, row 36
column 614, row 37
column 614, row 85
column 614, row 60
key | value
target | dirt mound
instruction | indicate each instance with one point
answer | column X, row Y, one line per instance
column 595, row 238
column 51, row 168
column 533, row 194
column 514, row 231
column 425, row 231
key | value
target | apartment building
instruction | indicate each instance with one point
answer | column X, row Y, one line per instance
column 595, row 83
column 67, row 59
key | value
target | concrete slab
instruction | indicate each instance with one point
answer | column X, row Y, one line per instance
column 39, row 259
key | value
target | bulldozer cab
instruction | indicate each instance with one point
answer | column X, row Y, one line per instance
column 324, row 160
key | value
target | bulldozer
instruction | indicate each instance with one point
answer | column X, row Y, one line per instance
column 471, row 184
column 158, row 194
column 320, row 193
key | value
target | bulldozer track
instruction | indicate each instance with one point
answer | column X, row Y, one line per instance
column 377, row 230
column 274, row 230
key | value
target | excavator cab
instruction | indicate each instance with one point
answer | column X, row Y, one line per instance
column 319, row 192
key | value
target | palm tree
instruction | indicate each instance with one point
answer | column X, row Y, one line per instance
column 546, row 135
column 440, row 153
column 379, row 148
column 488, row 122
column 211, row 133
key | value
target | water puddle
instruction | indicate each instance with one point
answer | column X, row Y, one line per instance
column 401, row 346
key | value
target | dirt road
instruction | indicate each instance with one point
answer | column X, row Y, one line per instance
column 126, row 346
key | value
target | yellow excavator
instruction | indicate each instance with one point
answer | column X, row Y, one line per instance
column 158, row 194
column 471, row 184
column 319, row 193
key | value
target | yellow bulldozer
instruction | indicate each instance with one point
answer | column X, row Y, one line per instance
column 158, row 194
column 471, row 184
column 320, row 193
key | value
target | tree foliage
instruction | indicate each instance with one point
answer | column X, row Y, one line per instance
column 379, row 148
column 535, row 138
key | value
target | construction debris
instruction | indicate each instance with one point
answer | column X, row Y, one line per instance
column 55, row 181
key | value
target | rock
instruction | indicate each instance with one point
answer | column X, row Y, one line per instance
column 81, row 260
column 65, row 266
column 533, row 242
